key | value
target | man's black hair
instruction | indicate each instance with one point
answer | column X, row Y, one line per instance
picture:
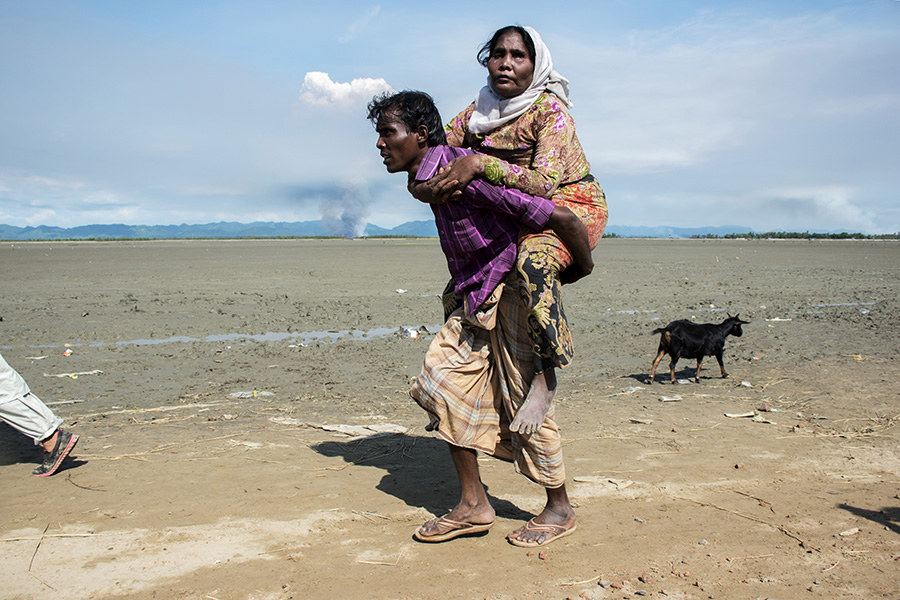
column 485, row 53
column 411, row 108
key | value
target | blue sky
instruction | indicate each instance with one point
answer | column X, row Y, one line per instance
column 774, row 115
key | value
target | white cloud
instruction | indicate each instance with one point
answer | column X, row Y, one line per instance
column 680, row 97
column 38, row 182
column 41, row 217
column 319, row 90
column 35, row 199
column 207, row 189
column 104, row 199
column 783, row 208
column 827, row 207
column 859, row 106
column 360, row 24
column 32, row 190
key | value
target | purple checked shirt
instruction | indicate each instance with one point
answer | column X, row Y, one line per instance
column 479, row 232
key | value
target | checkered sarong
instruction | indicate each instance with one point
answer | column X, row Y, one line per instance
column 475, row 377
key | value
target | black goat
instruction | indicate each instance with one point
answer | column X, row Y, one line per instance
column 683, row 339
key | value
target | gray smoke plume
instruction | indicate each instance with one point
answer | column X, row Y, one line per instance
column 345, row 212
column 344, row 207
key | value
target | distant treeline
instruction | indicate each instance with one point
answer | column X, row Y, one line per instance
column 795, row 235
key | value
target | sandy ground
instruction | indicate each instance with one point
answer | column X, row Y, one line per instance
column 180, row 489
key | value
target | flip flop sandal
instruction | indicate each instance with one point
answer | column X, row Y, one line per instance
column 449, row 529
column 555, row 531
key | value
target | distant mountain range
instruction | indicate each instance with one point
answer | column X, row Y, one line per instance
column 232, row 230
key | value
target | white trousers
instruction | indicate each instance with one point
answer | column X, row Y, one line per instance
column 30, row 416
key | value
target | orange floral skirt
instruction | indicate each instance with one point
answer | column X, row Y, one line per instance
column 542, row 257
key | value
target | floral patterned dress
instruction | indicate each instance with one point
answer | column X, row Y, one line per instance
column 539, row 153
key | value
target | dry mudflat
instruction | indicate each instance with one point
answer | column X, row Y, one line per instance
column 246, row 432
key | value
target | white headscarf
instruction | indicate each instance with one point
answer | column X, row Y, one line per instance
column 492, row 111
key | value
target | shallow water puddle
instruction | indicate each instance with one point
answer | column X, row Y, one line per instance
column 302, row 338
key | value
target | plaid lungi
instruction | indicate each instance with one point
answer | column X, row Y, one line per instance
column 477, row 372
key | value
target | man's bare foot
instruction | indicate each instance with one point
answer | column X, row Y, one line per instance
column 544, row 528
column 530, row 416
column 476, row 515
column 555, row 521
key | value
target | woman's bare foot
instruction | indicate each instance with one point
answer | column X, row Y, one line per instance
column 530, row 416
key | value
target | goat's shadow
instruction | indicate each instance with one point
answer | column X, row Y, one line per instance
column 686, row 372
column 888, row 517
column 419, row 470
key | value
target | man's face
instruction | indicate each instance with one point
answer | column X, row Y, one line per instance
column 400, row 148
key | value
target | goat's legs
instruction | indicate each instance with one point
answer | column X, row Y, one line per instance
column 672, row 369
column 655, row 363
column 697, row 375
column 721, row 365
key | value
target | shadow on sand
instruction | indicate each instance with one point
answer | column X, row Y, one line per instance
column 419, row 470
column 17, row 448
column 888, row 517
column 685, row 373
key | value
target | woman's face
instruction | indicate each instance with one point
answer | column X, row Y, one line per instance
column 509, row 66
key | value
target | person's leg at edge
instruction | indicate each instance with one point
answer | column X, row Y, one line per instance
column 557, row 511
column 50, row 443
column 473, row 506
